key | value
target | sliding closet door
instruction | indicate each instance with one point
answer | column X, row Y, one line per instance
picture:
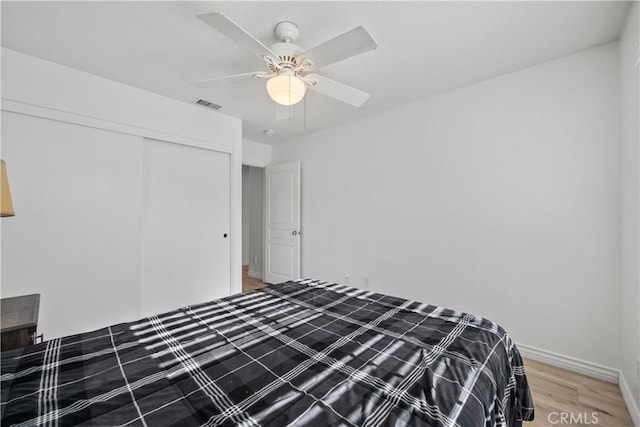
column 75, row 239
column 186, row 225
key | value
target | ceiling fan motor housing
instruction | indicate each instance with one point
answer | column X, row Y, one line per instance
column 287, row 31
column 287, row 50
column 287, row 54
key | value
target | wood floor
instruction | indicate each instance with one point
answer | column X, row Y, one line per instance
column 557, row 393
column 591, row 402
column 249, row 284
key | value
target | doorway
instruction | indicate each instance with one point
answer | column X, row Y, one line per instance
column 252, row 228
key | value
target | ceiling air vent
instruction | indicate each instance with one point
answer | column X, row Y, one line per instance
column 207, row 104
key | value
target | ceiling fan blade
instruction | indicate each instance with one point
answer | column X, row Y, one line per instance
column 236, row 33
column 341, row 92
column 349, row 44
column 225, row 80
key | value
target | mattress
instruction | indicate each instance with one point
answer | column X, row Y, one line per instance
column 304, row 352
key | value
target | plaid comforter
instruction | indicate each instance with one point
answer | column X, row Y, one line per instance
column 299, row 353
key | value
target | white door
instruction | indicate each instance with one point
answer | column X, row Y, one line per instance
column 282, row 222
column 186, row 219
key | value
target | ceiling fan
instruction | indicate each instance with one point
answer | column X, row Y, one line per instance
column 289, row 69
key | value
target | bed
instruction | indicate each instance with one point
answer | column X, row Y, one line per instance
column 304, row 352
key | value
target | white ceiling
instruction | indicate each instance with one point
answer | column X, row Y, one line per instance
column 424, row 48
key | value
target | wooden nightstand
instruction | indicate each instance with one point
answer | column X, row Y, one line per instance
column 19, row 321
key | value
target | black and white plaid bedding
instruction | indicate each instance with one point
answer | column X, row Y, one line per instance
column 299, row 353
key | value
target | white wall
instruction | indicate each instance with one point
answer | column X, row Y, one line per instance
column 34, row 81
column 255, row 156
column 500, row 198
column 252, row 219
column 245, row 215
column 256, row 224
column 256, row 153
column 630, row 154
column 99, row 283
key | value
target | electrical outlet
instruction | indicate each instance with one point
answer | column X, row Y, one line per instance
column 255, row 259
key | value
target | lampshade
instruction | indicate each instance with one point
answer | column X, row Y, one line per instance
column 6, row 207
column 285, row 89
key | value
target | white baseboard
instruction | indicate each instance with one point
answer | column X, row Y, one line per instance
column 586, row 368
column 254, row 274
column 570, row 363
column 632, row 407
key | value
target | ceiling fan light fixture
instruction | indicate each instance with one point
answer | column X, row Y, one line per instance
column 286, row 89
